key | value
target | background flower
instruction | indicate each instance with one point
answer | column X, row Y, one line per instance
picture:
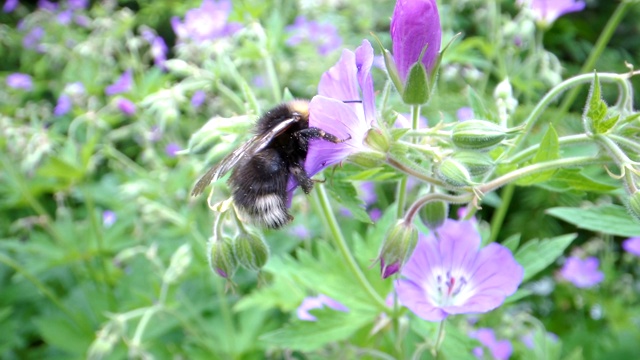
column 317, row 302
column 454, row 276
column 20, row 81
column 547, row 11
column 500, row 349
column 10, row 5
column 126, row 106
column 632, row 245
column 63, row 105
column 582, row 273
column 122, row 85
column 208, row 22
column 324, row 36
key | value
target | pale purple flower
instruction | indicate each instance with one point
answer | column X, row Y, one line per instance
column 47, row 5
column 78, row 4
column 404, row 121
column 464, row 113
column 301, row 232
column 126, row 106
column 10, row 5
column 64, row 17
column 344, row 212
column 20, row 81
column 529, row 339
column 108, row 218
column 159, row 48
column 82, row 20
column 414, row 25
column 349, row 80
column 375, row 214
column 63, row 105
column 208, row 22
column 632, row 245
column 453, row 275
column 172, row 149
column 32, row 39
column 324, row 36
column 500, row 349
column 582, row 273
column 259, row 81
column 198, row 98
column 155, row 134
column 122, row 85
column 317, row 302
column 368, row 192
column 547, row 11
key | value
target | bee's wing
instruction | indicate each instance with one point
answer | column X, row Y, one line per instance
column 248, row 149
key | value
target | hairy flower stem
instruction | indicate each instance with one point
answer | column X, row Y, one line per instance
column 418, row 204
column 341, row 243
column 402, row 185
column 439, row 338
column 498, row 217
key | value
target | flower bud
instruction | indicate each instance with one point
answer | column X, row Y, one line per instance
column 477, row 134
column 377, row 139
column 434, row 213
column 251, row 251
column 453, row 173
column 367, row 159
column 222, row 260
column 476, row 162
column 397, row 247
column 634, row 205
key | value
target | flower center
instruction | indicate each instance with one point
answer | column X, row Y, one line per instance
column 448, row 286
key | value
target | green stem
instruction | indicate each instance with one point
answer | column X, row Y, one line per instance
column 531, row 151
column 402, row 185
column 599, row 47
column 439, row 338
column 501, row 213
column 341, row 243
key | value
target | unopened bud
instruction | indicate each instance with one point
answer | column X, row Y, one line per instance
column 477, row 134
column 634, row 205
column 397, row 247
column 377, row 139
column 453, row 173
column 367, row 159
column 222, row 260
column 251, row 251
column 434, row 213
column 476, row 162
column 503, row 90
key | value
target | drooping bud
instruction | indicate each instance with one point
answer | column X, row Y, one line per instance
column 251, row 251
column 477, row 135
column 634, row 205
column 377, row 139
column 222, row 260
column 434, row 213
column 397, row 248
column 453, row 173
column 478, row 163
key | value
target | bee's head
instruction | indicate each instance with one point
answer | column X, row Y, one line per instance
column 300, row 107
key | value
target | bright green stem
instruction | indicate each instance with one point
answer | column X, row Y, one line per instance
column 529, row 152
column 439, row 338
column 341, row 243
column 402, row 185
column 498, row 216
column 600, row 45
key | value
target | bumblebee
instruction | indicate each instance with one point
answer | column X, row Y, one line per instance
column 261, row 167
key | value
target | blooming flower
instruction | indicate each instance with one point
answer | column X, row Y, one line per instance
column 632, row 245
column 47, row 5
column 172, row 149
column 122, row 85
column 20, row 81
column 547, row 11
column 108, row 218
column 198, row 98
column 375, row 214
column 63, row 106
column 464, row 113
column 317, row 302
column 32, row 39
column 582, row 273
column 529, row 339
column 368, row 192
column 208, row 22
column 324, row 36
column 300, row 231
column 453, row 275
column 500, row 349
column 349, row 79
column 10, row 5
column 126, row 106
column 158, row 47
column 64, row 17
column 414, row 25
column 78, row 4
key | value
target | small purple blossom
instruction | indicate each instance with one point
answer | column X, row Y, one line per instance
column 465, row 113
column 78, row 4
column 47, row 5
column 529, row 339
column 159, row 48
column 172, row 149
column 632, row 246
column 64, row 17
column 324, row 36
column 108, row 218
column 368, row 192
column 453, row 275
column 10, row 5
column 500, row 349
column 32, row 39
column 375, row 214
column 198, row 98
column 317, row 302
column 63, row 105
column 155, row 134
column 300, row 231
column 122, row 85
column 126, row 106
column 547, row 11
column 414, row 25
column 582, row 273
column 20, row 81
column 344, row 212
column 208, row 22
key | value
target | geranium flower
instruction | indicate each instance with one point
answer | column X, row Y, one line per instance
column 159, row 47
column 20, row 81
column 63, row 105
column 632, row 245
column 126, row 106
column 108, row 218
column 500, row 349
column 349, row 80
column 582, row 273
column 122, row 85
column 324, row 36
column 451, row 275
column 547, row 11
column 172, row 149
column 317, row 302
column 208, row 22
column 10, row 5
column 198, row 98
column 32, row 39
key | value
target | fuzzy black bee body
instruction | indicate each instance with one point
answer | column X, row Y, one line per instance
column 263, row 165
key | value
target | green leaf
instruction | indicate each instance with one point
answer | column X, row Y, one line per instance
column 390, row 65
column 535, row 255
column 477, row 104
column 512, row 242
column 549, row 150
column 596, row 108
column 416, row 90
column 606, row 219
column 607, row 124
column 60, row 168
column 346, row 195
column 575, row 180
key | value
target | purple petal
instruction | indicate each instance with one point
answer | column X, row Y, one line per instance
column 47, row 5
column 63, row 106
column 464, row 113
column 198, row 98
column 413, row 297
column 78, row 4
column 122, row 85
column 10, row 5
column 126, row 106
column 364, row 62
column 310, row 303
column 64, row 17
column 172, row 149
column 33, row 37
column 108, row 218
column 341, row 80
column 20, row 81
column 632, row 245
column 582, row 273
column 500, row 349
column 548, row 11
column 368, row 192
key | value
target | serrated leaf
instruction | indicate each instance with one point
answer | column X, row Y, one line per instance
column 549, row 150
column 606, row 124
column 512, row 242
column 477, row 104
column 596, row 108
column 416, row 90
column 606, row 219
column 347, row 195
column 535, row 255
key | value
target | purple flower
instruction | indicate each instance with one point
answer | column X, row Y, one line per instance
column 158, row 47
column 122, row 85
column 500, row 349
column 414, row 25
column 529, row 339
column 63, row 106
column 32, row 39
column 78, row 4
column 155, row 134
column 300, row 231
column 368, row 192
column 375, row 214
column 582, row 273
column 20, row 81
column 404, row 121
column 64, row 17
column 632, row 245
column 172, row 149
column 10, row 5
column 317, row 302
column 208, row 22
column 464, row 113
column 453, row 275
column 324, row 36
column 126, row 106
column 349, row 79
column 108, row 218
column 47, row 5
column 547, row 11
column 198, row 98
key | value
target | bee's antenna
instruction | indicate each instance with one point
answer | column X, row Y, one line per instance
column 351, row 101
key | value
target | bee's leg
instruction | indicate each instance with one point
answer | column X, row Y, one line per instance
column 306, row 183
column 307, row 134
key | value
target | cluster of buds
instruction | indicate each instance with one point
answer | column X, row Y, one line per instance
column 226, row 254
